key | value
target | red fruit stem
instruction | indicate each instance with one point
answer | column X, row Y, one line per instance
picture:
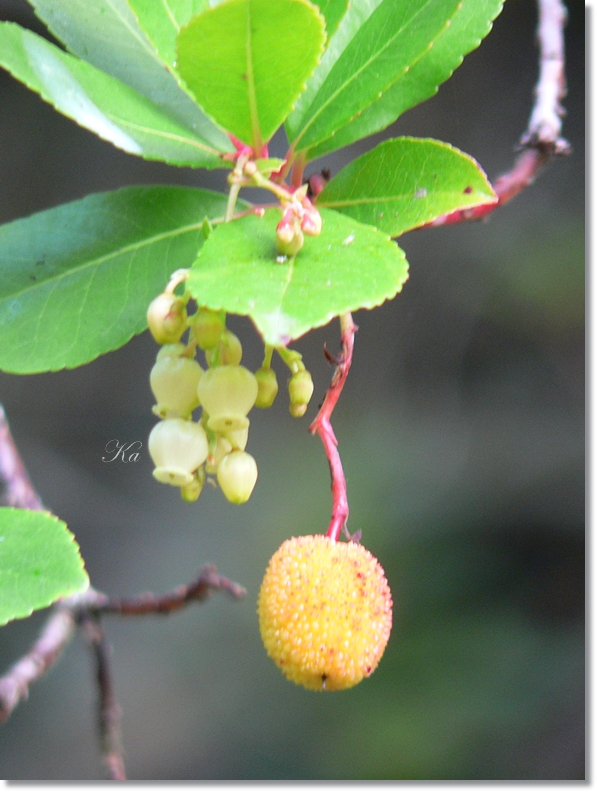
column 542, row 140
column 323, row 427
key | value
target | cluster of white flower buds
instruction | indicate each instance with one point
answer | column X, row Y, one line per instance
column 184, row 450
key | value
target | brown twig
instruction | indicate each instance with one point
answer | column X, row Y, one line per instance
column 542, row 140
column 323, row 427
column 18, row 490
column 55, row 635
column 109, row 713
column 85, row 611
column 198, row 590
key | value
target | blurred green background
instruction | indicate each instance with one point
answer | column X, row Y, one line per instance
column 461, row 429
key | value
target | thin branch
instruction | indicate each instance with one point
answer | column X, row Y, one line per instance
column 85, row 611
column 542, row 140
column 109, row 713
column 198, row 590
column 18, row 490
column 55, row 635
column 323, row 427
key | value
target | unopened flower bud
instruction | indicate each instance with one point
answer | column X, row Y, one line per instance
column 208, row 327
column 297, row 410
column 311, row 222
column 289, row 238
column 167, row 318
column 267, row 387
column 190, row 492
column 230, row 348
column 178, row 448
column 237, row 474
column 300, row 388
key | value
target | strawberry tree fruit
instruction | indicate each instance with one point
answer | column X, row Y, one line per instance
column 174, row 379
column 325, row 612
column 167, row 318
column 178, row 448
column 237, row 475
column 227, row 393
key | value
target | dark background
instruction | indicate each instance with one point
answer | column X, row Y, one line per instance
column 462, row 434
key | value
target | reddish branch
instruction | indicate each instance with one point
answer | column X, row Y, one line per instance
column 85, row 611
column 323, row 427
column 542, row 140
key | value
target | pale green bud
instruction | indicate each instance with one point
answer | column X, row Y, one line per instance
column 267, row 387
column 230, row 349
column 167, row 318
column 208, row 327
column 237, row 474
column 300, row 388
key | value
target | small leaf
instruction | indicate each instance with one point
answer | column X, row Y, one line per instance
column 163, row 20
column 99, row 102
column 267, row 166
column 247, row 61
column 347, row 267
column 468, row 27
column 39, row 562
column 376, row 46
column 407, row 182
column 77, row 280
column 107, row 35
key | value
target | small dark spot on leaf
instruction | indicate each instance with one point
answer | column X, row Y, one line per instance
column 32, row 277
column 244, row 76
column 468, row 190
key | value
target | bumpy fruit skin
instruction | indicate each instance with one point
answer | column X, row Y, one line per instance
column 325, row 612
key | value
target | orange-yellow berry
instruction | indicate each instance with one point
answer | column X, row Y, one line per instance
column 325, row 612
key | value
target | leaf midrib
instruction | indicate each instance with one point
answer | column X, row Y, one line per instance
column 387, row 198
column 97, row 262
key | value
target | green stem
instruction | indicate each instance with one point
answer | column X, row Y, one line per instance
column 267, row 358
column 292, row 358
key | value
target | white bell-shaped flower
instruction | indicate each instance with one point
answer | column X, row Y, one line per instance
column 174, row 381
column 178, row 448
column 227, row 393
column 237, row 474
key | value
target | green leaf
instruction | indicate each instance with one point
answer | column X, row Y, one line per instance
column 407, row 182
column 77, row 280
column 378, row 42
column 469, row 26
column 39, row 562
column 347, row 267
column 247, row 61
column 333, row 11
column 106, row 34
column 163, row 20
column 99, row 102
